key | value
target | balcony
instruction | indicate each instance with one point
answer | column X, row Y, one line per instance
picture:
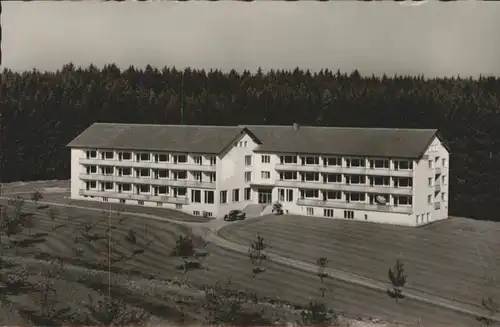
column 437, row 170
column 147, row 180
column 345, row 187
column 437, row 187
column 344, row 170
column 355, row 206
column 437, row 205
column 132, row 196
column 146, row 164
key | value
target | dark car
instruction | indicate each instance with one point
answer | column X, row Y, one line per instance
column 235, row 215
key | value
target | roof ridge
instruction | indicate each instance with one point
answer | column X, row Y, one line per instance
column 166, row 125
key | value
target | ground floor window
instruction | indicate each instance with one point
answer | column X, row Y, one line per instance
column 207, row 214
column 122, row 201
column 105, row 199
column 328, row 212
column 209, row 197
column 348, row 214
column 248, row 194
column 196, row 213
column 140, row 202
column 159, row 204
column 310, row 211
column 178, row 206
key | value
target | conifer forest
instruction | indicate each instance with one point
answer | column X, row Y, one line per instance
column 43, row 111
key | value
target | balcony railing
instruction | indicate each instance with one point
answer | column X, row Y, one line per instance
column 345, row 187
column 147, row 180
column 148, row 164
column 437, row 187
column 437, row 170
column 355, row 205
column 344, row 170
column 133, row 196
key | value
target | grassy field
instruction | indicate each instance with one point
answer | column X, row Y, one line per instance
column 57, row 239
column 449, row 259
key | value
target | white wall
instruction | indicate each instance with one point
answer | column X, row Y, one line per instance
column 422, row 189
column 231, row 174
column 76, row 169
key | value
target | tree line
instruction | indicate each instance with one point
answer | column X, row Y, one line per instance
column 43, row 111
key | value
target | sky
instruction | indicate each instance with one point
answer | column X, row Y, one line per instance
column 434, row 39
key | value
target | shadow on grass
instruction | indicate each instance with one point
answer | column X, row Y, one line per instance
column 28, row 242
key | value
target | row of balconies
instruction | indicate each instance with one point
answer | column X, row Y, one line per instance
column 134, row 196
column 147, row 180
column 145, row 164
column 345, row 170
column 339, row 187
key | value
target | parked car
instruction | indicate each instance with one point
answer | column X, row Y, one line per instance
column 235, row 215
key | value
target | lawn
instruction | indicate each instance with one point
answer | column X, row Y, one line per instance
column 449, row 259
column 56, row 238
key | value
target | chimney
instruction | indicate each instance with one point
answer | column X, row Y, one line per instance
column 295, row 126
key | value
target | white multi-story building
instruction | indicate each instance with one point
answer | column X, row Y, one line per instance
column 396, row 176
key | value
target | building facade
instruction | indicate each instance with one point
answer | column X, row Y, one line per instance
column 395, row 176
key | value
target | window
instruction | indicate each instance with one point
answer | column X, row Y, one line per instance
column 430, row 163
column 209, row 197
column 143, row 157
column 332, row 161
column 245, row 144
column 309, row 194
column 355, row 197
column 355, row 162
column 91, row 169
column 125, row 156
column 310, row 160
column 196, row 213
column 140, row 202
column 236, row 195
column 223, row 196
column 289, row 195
column 430, row 181
column 428, row 216
column 198, row 160
column 266, row 158
column 144, row 188
column 104, row 199
column 333, row 195
column 403, row 200
column 181, row 191
column 108, row 155
column 197, row 176
column 126, row 171
column 91, row 184
column 288, row 159
column 281, row 195
column 355, row 179
column 180, row 158
column 207, row 214
column 348, row 214
column 212, row 177
column 310, row 211
column 333, row 178
column 108, row 171
column 248, row 176
column 162, row 157
column 328, row 212
column 181, row 174
column 403, row 182
column 429, row 199
column 379, row 163
column 403, row 165
column 196, row 196
column 311, row 177
column 162, row 173
column 241, row 144
column 444, row 162
column 213, row 161
column 265, row 174
column 159, row 204
column 92, row 154
column 108, row 186
column 443, row 179
column 162, row 190
column 443, row 196
column 248, row 194
column 288, row 175
column 126, row 187
column 178, row 206
column 380, row 181
column 123, row 201
column 144, row 172
column 248, row 160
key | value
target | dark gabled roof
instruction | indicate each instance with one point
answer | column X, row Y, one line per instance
column 174, row 138
column 374, row 142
